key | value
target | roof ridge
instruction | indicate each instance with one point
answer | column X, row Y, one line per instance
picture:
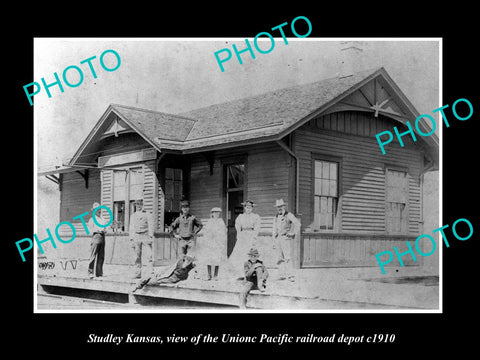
column 369, row 71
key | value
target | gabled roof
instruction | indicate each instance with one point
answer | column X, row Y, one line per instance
column 265, row 117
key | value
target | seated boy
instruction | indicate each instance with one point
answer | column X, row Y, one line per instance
column 256, row 275
column 173, row 275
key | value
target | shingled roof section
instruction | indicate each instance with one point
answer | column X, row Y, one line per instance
column 155, row 124
column 279, row 108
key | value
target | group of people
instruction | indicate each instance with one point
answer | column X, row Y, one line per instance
column 209, row 250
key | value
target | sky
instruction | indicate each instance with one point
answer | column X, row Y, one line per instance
column 178, row 75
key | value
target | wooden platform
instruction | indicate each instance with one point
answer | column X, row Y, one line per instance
column 256, row 299
column 218, row 294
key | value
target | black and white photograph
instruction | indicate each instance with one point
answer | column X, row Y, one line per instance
column 221, row 181
column 276, row 174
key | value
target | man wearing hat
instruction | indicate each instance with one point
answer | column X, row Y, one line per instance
column 141, row 231
column 187, row 227
column 285, row 226
column 97, row 246
column 256, row 275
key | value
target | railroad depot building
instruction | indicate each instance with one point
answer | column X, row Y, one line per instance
column 312, row 145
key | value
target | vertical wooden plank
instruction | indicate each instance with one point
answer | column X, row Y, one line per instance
column 326, row 121
column 161, row 248
column 312, row 249
column 346, row 249
column 341, row 248
column 367, row 252
column 349, row 247
column 361, row 249
column 318, row 250
column 373, row 126
column 331, row 250
column 360, row 123
column 325, row 250
column 341, row 122
column 366, row 120
column 353, row 121
column 354, row 254
column 334, row 124
column 167, row 248
column 306, row 249
column 375, row 246
column 336, row 255
column 362, row 120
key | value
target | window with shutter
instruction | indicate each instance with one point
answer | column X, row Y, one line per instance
column 126, row 187
column 396, row 206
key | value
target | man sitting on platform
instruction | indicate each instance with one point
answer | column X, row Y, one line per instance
column 256, row 276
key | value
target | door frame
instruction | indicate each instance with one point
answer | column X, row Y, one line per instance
column 233, row 160
column 225, row 162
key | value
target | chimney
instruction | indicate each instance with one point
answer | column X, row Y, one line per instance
column 351, row 58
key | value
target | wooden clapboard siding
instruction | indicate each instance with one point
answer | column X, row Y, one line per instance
column 205, row 189
column 268, row 178
column 347, row 136
column 75, row 198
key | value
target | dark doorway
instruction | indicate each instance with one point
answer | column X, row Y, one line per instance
column 234, row 193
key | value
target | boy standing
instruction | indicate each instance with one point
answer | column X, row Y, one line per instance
column 188, row 227
column 256, row 275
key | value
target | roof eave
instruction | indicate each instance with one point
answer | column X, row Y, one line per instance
column 110, row 109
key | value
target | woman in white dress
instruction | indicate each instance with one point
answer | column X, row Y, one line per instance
column 247, row 226
column 212, row 246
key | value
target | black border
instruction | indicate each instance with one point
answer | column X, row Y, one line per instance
column 415, row 333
